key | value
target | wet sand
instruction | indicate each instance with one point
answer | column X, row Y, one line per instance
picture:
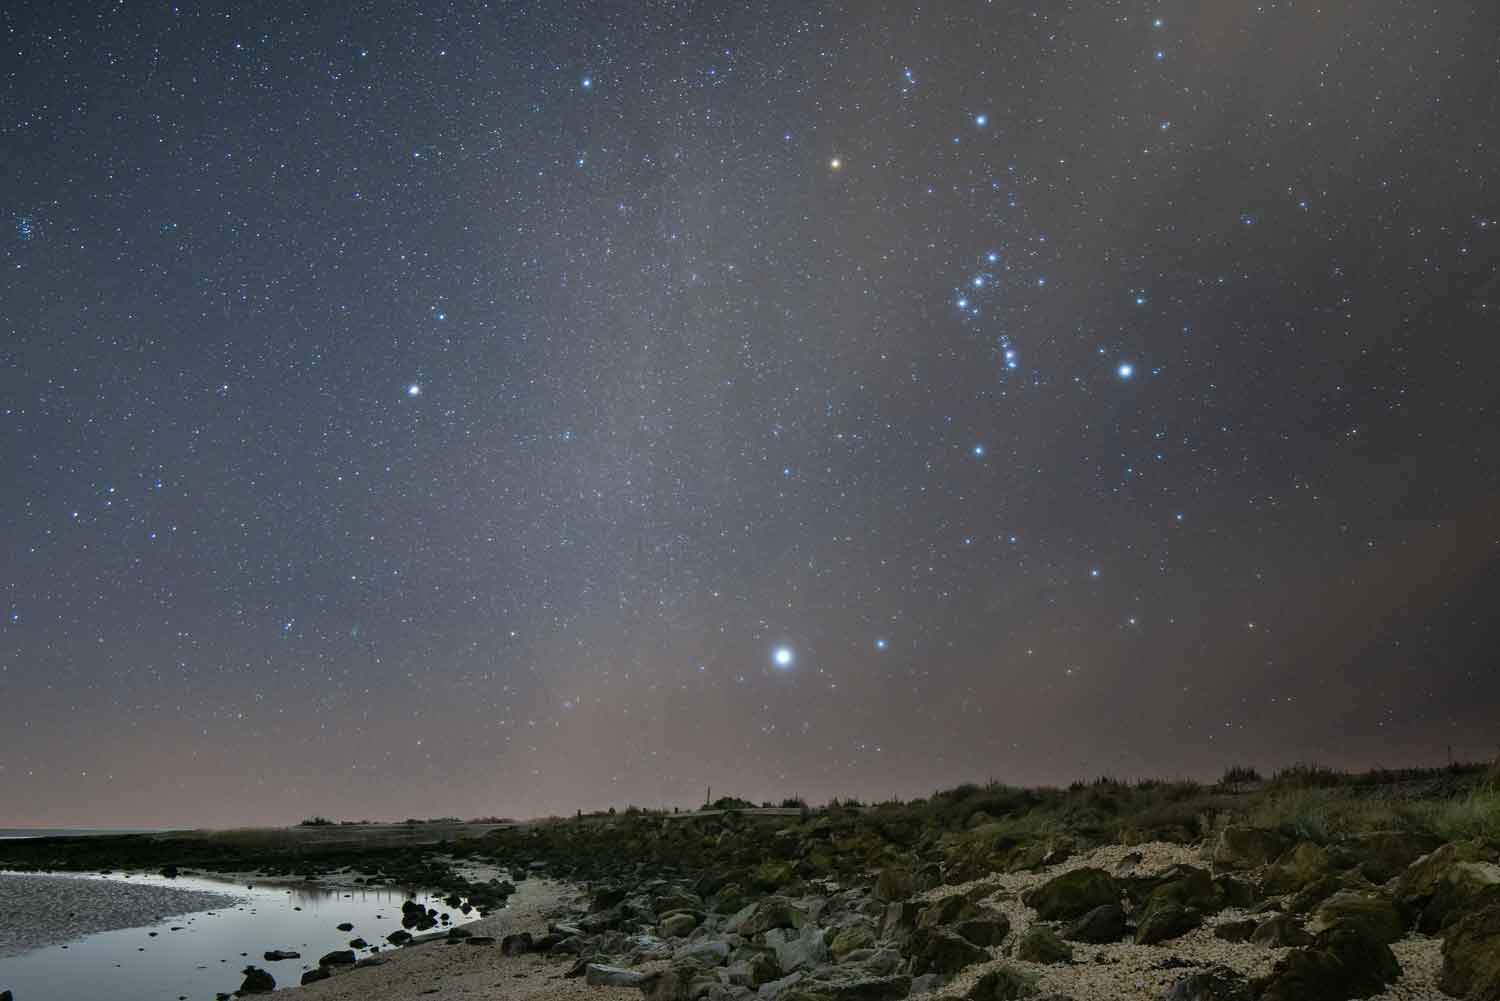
column 45, row 910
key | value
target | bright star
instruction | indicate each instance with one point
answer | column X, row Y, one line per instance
column 586, row 83
column 1140, row 300
column 978, row 451
column 992, row 257
column 414, row 390
column 782, row 656
column 1126, row 370
column 1160, row 55
column 981, row 120
column 979, row 281
column 835, row 164
column 1094, row 573
column 882, row 643
column 963, row 304
column 1159, row 23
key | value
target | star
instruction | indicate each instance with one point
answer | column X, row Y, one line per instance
column 783, row 657
column 978, row 451
column 415, row 389
column 836, row 164
column 1126, row 370
column 981, row 120
column 882, row 643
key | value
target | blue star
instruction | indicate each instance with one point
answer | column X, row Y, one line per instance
column 1094, row 573
column 978, row 451
column 882, row 643
column 1160, row 55
column 783, row 657
column 1126, row 370
column 981, row 120
column 414, row 390
column 587, row 83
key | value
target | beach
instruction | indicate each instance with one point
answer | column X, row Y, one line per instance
column 41, row 910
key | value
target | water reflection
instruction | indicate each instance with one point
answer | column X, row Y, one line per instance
column 200, row 955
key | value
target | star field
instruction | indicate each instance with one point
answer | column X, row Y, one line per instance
column 475, row 408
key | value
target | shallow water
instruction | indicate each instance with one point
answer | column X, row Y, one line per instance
column 201, row 954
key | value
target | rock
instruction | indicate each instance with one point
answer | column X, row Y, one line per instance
column 948, row 911
column 678, row 924
column 704, row 953
column 1375, row 915
column 772, row 912
column 1004, row 984
column 727, row 900
column 1466, row 886
column 1040, row 944
column 169, row 871
column 314, row 975
column 1218, row 983
column 851, row 939
column 479, row 940
column 518, row 944
column 1187, row 885
column 1341, row 963
column 604, row 899
column 367, row 962
column 338, row 957
column 1471, row 956
column 1073, row 894
column 1421, row 891
column 1105, row 923
column 458, row 933
column 928, row 877
column 1304, row 864
column 1279, row 932
column 398, row 937
column 1235, row 931
column 797, row 950
column 1240, row 848
column 358, row 943
column 345, row 926
column 277, row 955
column 943, row 951
column 599, row 975
column 894, row 883
column 859, row 988
column 1313, row 894
column 1383, row 855
column 925, row 984
column 679, row 982
column 777, row 989
column 257, row 981
column 1163, row 920
column 988, row 930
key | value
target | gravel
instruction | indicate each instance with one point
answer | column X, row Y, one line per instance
column 46, row 910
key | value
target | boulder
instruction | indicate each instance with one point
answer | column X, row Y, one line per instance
column 837, row 987
column 948, row 911
column 851, row 938
column 1465, row 886
column 398, row 937
column 894, row 883
column 927, row 983
column 987, row 930
column 797, row 949
column 257, row 981
column 772, row 912
column 315, row 974
column 943, row 951
column 600, row 975
column 1240, row 848
column 1163, row 920
column 1280, row 931
column 1471, row 956
column 1187, row 885
column 1004, row 984
column 1073, row 894
column 358, row 943
column 1105, row 923
column 1341, row 963
column 458, row 933
column 344, row 926
column 1296, row 868
column 1383, row 855
column 1218, row 983
column 678, row 924
column 679, row 982
column 338, row 957
column 1235, row 931
column 516, row 945
column 277, row 955
column 1374, row 915
column 776, row 990
column 1040, row 944
column 704, row 953
column 1422, row 885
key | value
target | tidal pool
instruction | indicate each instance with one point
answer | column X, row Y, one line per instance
column 193, row 955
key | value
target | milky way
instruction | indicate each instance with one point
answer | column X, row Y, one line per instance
column 460, row 408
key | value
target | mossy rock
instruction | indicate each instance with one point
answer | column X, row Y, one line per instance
column 1424, row 878
column 772, row 912
column 1280, row 931
column 1376, row 916
column 1073, row 894
column 1164, row 920
column 1040, row 944
column 1235, row 931
column 1003, row 984
column 943, row 951
column 1217, row 983
column 988, row 930
column 895, row 883
column 1240, row 848
column 1105, row 923
column 1383, row 855
column 850, row 939
column 1471, row 956
column 1341, row 963
column 1300, row 866
column 948, row 911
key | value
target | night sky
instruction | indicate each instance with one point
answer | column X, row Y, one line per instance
column 496, row 408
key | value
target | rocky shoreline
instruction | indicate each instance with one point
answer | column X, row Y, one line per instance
column 855, row 906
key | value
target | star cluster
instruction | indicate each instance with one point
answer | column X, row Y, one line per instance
column 506, row 409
